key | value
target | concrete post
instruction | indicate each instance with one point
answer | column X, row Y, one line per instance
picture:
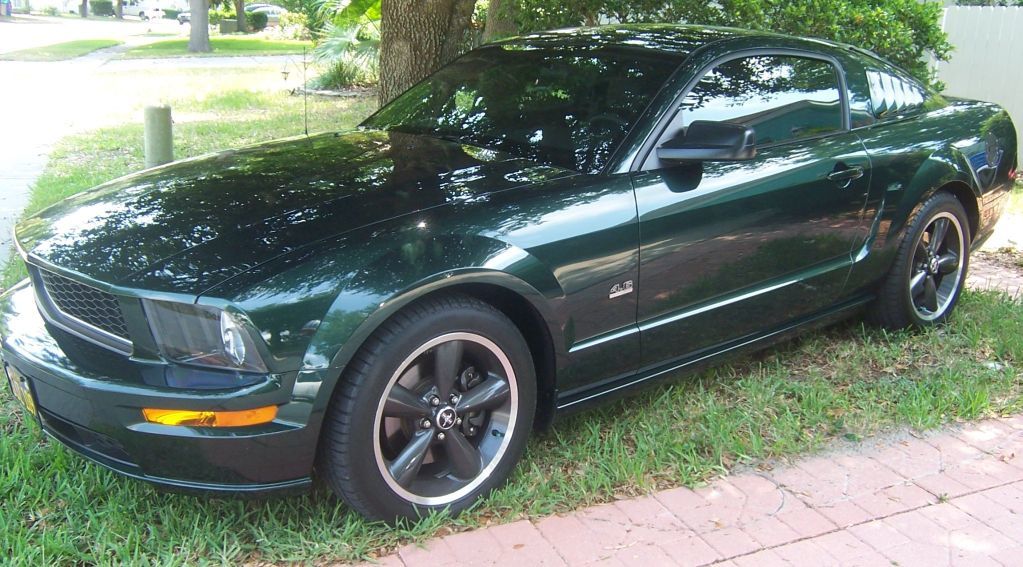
column 159, row 138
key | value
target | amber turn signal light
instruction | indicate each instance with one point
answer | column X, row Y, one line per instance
column 211, row 418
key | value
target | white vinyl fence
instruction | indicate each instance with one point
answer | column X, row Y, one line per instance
column 987, row 62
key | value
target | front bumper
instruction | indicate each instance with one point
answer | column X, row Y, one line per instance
column 98, row 414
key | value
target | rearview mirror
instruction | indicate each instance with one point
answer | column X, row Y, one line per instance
column 705, row 140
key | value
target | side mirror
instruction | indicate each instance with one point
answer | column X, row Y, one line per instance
column 706, row 140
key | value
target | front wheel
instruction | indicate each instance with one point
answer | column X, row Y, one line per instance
column 927, row 277
column 433, row 413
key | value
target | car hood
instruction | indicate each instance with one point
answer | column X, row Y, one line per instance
column 189, row 225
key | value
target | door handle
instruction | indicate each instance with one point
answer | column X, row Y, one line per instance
column 846, row 175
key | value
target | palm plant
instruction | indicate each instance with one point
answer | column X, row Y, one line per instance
column 349, row 43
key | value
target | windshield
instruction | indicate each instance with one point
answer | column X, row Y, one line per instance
column 560, row 106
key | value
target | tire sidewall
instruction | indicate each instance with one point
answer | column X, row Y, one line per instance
column 367, row 479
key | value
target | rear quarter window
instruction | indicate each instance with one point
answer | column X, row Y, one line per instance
column 894, row 95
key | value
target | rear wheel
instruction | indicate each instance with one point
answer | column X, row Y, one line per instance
column 927, row 277
column 433, row 413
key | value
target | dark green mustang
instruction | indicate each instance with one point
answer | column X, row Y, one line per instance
column 543, row 224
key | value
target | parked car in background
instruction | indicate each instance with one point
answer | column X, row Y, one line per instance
column 273, row 13
column 545, row 223
column 142, row 9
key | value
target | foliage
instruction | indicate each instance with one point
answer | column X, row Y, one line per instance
column 350, row 12
column 294, row 25
column 102, row 7
column 309, row 9
column 349, row 44
column 257, row 21
column 989, row 2
column 350, row 55
column 903, row 31
column 170, row 13
column 51, row 10
column 339, row 75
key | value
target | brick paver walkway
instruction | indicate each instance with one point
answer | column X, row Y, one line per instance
column 948, row 498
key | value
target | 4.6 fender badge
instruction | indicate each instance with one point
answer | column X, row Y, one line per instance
column 620, row 289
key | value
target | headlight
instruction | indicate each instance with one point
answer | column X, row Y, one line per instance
column 203, row 335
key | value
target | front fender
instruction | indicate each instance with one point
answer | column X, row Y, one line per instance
column 410, row 268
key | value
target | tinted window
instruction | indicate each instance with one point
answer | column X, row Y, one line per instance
column 782, row 98
column 565, row 107
column 894, row 95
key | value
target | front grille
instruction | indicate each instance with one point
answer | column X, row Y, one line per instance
column 86, row 304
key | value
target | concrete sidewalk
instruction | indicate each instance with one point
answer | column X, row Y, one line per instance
column 950, row 498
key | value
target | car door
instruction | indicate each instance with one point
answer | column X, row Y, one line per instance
column 728, row 249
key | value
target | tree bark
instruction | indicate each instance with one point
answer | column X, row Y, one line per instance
column 501, row 23
column 239, row 10
column 199, row 34
column 83, row 9
column 416, row 38
column 119, row 9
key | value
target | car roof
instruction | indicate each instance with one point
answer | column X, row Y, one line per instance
column 677, row 40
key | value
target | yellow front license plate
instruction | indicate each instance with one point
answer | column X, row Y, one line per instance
column 22, row 389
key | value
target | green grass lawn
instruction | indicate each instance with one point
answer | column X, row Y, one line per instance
column 222, row 46
column 838, row 385
column 59, row 51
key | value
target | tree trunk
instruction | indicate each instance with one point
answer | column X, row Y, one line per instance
column 416, row 38
column 199, row 34
column 83, row 9
column 239, row 10
column 501, row 16
column 119, row 9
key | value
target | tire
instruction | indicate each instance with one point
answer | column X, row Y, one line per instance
column 923, row 285
column 379, row 454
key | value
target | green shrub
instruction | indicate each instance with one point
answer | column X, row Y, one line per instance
column 220, row 14
column 349, row 54
column 294, row 25
column 342, row 74
column 257, row 21
column 51, row 11
column 906, row 32
column 102, row 7
column 171, row 14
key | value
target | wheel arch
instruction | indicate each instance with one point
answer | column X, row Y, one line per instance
column 530, row 323
column 968, row 199
column 944, row 170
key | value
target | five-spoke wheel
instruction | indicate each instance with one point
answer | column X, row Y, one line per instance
column 433, row 413
column 938, row 263
column 444, row 419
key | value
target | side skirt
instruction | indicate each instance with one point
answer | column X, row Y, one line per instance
column 584, row 398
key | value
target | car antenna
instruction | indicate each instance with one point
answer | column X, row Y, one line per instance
column 305, row 93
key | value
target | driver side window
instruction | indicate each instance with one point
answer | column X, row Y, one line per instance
column 783, row 98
